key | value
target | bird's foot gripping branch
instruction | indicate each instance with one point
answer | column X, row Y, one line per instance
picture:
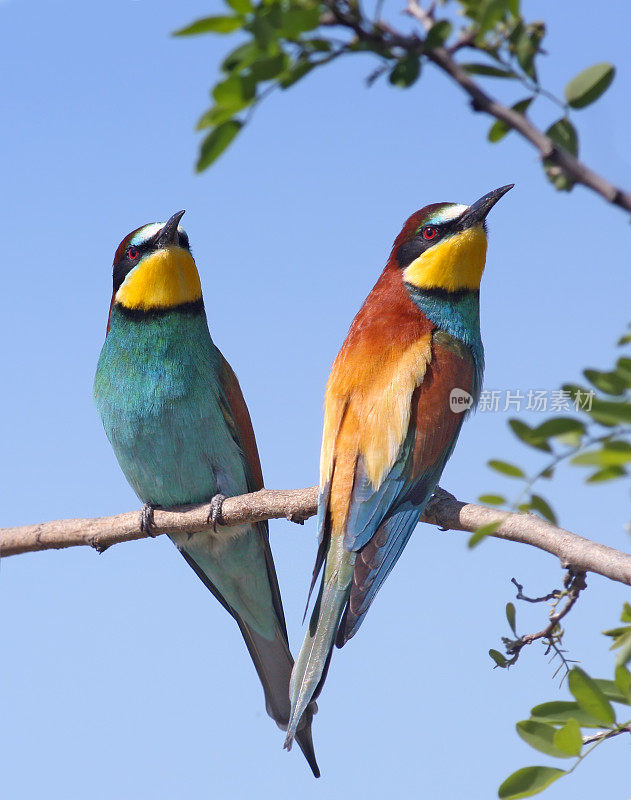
column 444, row 511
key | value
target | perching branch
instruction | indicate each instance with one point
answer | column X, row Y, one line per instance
column 576, row 552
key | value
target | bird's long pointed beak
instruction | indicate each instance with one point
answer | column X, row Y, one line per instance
column 476, row 214
column 168, row 234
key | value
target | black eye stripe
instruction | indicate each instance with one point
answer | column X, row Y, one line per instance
column 125, row 263
column 418, row 244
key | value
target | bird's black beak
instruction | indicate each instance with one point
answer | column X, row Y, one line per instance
column 168, row 234
column 476, row 214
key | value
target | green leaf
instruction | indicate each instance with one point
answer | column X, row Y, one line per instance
column 481, row 533
column 571, row 439
column 499, row 128
column 438, row 34
column 623, row 370
column 488, row 71
column 589, row 84
column 492, row 499
column 564, row 134
column 317, row 45
column 499, row 659
column 529, row 436
column 560, row 711
column 539, row 504
column 241, row 57
column 212, row 25
column 557, row 177
column 510, row 616
column 295, row 72
column 623, row 682
column 606, row 474
column 525, row 49
column 240, row 6
column 540, row 735
column 626, row 613
column 269, row 67
column 569, row 739
column 612, row 691
column 213, row 117
column 528, row 781
column 298, row 20
column 263, row 31
column 506, row 469
column 610, row 413
column 624, row 655
column 611, row 454
column 235, row 92
column 589, row 697
column 557, row 426
column 616, row 633
column 490, row 13
column 405, row 71
column 608, row 382
column 216, row 142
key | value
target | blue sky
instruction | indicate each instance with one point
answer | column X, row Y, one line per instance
column 121, row 676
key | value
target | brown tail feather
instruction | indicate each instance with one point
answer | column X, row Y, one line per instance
column 273, row 662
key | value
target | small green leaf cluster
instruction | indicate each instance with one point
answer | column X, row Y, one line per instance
column 514, row 46
column 278, row 51
column 556, row 728
column 598, row 436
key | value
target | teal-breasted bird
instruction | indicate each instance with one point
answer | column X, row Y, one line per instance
column 174, row 413
column 388, row 424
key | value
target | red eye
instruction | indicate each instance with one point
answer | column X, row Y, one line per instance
column 132, row 253
column 429, row 233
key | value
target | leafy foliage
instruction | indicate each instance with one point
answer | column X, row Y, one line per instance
column 282, row 41
column 556, row 728
column 598, row 437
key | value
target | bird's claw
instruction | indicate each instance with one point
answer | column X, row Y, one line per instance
column 214, row 514
column 146, row 520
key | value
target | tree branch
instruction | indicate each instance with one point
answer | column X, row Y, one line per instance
column 443, row 510
column 481, row 101
column 385, row 37
column 574, row 583
column 597, row 737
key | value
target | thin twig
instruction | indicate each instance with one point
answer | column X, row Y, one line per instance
column 574, row 584
column 597, row 737
column 577, row 584
column 521, row 596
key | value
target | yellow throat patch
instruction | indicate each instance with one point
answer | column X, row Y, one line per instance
column 163, row 279
column 456, row 263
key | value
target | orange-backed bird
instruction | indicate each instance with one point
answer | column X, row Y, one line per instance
column 389, row 427
column 173, row 410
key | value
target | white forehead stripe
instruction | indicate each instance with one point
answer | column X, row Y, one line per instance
column 147, row 231
column 447, row 213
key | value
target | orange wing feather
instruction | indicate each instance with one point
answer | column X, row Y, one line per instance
column 367, row 403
